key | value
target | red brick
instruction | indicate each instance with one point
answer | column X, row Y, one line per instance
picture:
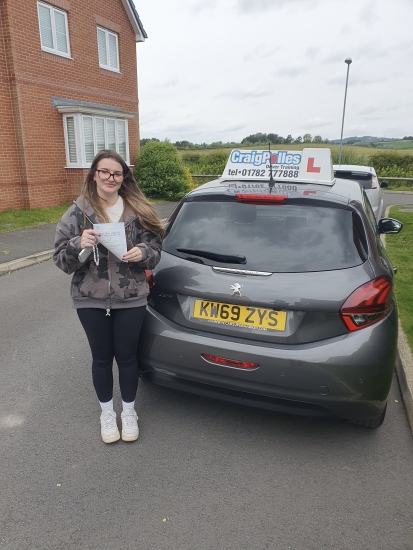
column 32, row 152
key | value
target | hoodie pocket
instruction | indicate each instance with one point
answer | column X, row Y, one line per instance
column 95, row 284
column 128, row 283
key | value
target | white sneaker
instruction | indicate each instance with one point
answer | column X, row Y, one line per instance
column 130, row 430
column 108, row 427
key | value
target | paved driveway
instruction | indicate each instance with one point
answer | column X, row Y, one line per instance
column 203, row 475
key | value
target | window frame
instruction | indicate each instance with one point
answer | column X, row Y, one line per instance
column 53, row 10
column 81, row 161
column 107, row 32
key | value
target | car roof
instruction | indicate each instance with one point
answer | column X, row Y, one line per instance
column 354, row 168
column 342, row 191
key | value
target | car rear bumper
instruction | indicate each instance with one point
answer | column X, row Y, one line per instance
column 348, row 376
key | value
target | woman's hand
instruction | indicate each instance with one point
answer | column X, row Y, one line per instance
column 133, row 255
column 88, row 238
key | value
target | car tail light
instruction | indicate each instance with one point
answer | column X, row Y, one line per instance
column 243, row 197
column 229, row 362
column 368, row 304
column 149, row 278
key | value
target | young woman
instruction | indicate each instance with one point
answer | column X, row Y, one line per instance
column 110, row 295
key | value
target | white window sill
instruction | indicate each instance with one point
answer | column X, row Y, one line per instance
column 60, row 54
column 109, row 69
column 77, row 167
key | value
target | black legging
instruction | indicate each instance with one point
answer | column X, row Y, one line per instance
column 111, row 336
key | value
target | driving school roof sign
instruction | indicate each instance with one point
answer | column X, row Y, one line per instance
column 306, row 166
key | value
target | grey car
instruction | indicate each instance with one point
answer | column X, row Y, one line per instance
column 282, row 300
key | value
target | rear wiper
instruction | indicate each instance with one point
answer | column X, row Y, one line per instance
column 225, row 258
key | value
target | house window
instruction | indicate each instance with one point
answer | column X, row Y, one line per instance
column 86, row 135
column 108, row 50
column 54, row 32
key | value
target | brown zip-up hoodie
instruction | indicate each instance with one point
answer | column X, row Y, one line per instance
column 112, row 284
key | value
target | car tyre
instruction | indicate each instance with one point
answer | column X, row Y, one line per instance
column 370, row 422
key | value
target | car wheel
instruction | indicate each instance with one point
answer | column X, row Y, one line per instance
column 370, row 422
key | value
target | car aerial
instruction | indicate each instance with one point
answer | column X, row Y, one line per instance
column 274, row 290
column 366, row 176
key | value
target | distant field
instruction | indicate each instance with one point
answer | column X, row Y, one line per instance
column 352, row 150
column 398, row 145
column 388, row 163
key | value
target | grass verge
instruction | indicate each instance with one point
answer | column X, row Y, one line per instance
column 17, row 219
column 399, row 187
column 400, row 250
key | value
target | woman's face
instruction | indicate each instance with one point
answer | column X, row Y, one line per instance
column 108, row 177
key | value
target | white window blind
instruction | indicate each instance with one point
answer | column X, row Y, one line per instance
column 102, row 47
column 60, row 25
column 88, row 138
column 100, row 133
column 113, row 51
column 45, row 22
column 111, row 130
column 108, row 49
column 71, row 139
column 53, row 26
column 122, row 138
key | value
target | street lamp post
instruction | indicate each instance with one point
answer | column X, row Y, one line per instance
column 348, row 60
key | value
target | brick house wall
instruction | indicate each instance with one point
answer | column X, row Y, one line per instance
column 32, row 151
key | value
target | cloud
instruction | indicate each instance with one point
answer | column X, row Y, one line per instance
column 291, row 70
column 248, row 93
column 368, row 111
column 266, row 5
column 368, row 15
column 151, row 116
column 260, row 52
column 356, row 79
column 336, row 58
column 195, row 129
column 196, row 6
column 356, row 129
column 317, row 123
column 311, row 53
column 170, row 83
column 234, row 125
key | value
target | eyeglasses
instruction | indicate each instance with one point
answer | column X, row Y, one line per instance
column 105, row 175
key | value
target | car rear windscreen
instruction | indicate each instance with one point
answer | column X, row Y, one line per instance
column 274, row 238
column 363, row 178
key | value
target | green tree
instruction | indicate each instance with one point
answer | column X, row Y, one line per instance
column 255, row 138
column 144, row 141
column 299, row 139
column 183, row 144
column 274, row 139
column 307, row 138
column 160, row 172
column 288, row 139
column 317, row 139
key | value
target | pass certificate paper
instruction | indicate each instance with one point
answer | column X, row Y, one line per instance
column 112, row 236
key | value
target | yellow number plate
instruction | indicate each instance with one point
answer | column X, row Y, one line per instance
column 246, row 316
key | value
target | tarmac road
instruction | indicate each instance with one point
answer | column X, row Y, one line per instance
column 399, row 198
column 203, row 475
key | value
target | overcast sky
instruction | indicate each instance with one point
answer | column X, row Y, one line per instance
column 219, row 70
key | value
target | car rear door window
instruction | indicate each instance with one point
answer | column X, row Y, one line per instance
column 274, row 238
column 364, row 179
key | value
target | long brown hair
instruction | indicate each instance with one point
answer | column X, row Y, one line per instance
column 129, row 191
